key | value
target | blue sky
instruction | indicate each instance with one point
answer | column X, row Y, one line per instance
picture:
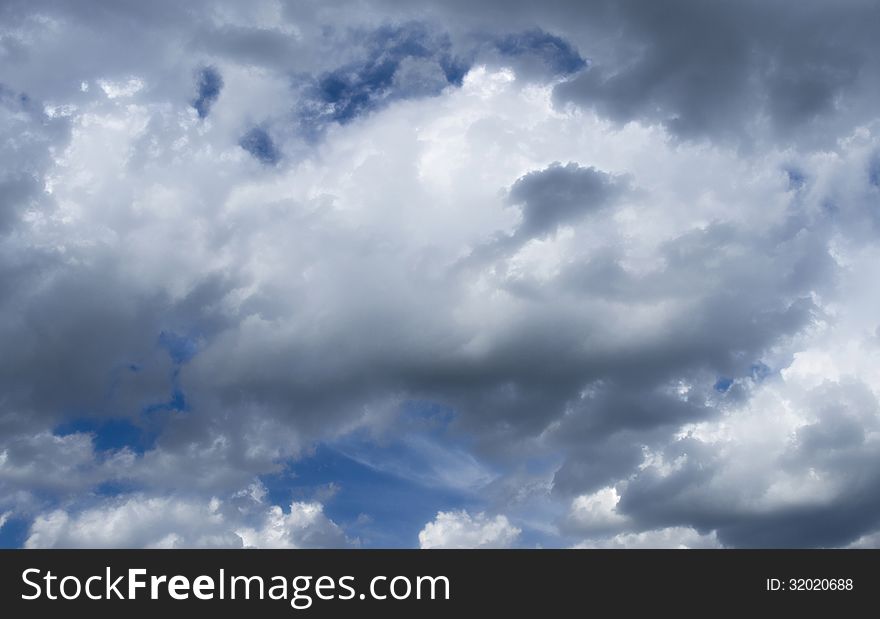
column 315, row 274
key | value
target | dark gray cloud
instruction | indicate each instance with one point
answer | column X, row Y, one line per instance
column 703, row 491
column 732, row 70
column 559, row 195
column 555, row 54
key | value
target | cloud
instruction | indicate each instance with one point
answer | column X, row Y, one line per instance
column 536, row 46
column 304, row 526
column 734, row 71
column 29, row 135
column 33, row 466
column 140, row 521
column 134, row 523
column 748, row 73
column 809, row 493
column 397, row 62
column 597, row 511
column 673, row 537
column 635, row 269
column 558, row 195
column 462, row 530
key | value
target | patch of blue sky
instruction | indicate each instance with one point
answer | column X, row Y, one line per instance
column 380, row 507
column 175, row 402
column 759, row 371
column 723, row 384
column 423, row 450
column 425, row 413
column 180, row 348
column 385, row 490
column 114, row 488
column 424, row 460
column 138, row 435
column 556, row 53
column 209, row 84
column 14, row 532
column 454, row 68
column 357, row 88
column 260, row 145
column 400, row 41
column 382, row 75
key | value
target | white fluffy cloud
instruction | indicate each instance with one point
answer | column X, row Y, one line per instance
column 670, row 537
column 134, row 522
column 597, row 511
column 595, row 517
column 304, row 526
column 243, row 520
column 463, row 530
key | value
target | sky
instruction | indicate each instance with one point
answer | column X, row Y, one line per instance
column 414, row 274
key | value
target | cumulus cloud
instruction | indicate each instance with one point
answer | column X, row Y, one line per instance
column 304, row 526
column 672, row 537
column 872, row 540
column 636, row 270
column 134, row 523
column 748, row 75
column 139, row 521
column 65, row 465
column 597, row 511
column 558, row 195
column 733, row 71
column 463, row 530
